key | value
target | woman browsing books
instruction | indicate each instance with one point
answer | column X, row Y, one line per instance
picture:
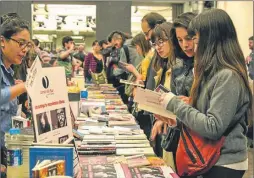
column 181, row 78
column 219, row 100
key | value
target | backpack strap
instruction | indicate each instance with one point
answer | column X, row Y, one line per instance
column 127, row 54
column 241, row 112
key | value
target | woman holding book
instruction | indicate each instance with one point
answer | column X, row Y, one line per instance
column 182, row 73
column 15, row 43
column 219, row 100
column 162, row 63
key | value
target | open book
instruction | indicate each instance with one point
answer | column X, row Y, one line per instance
column 148, row 100
column 131, row 83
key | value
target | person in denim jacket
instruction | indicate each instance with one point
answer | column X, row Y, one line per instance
column 15, row 43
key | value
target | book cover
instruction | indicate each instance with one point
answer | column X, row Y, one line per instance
column 148, row 100
column 156, row 161
column 48, row 161
column 135, row 151
column 106, row 170
column 86, row 160
column 137, row 161
column 20, row 122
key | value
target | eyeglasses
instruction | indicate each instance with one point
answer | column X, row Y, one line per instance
column 159, row 43
column 147, row 33
column 23, row 44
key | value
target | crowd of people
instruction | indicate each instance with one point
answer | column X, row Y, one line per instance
column 197, row 57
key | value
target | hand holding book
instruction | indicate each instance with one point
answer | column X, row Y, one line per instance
column 170, row 122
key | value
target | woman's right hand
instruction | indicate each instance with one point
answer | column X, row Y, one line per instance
column 170, row 122
column 157, row 129
column 130, row 68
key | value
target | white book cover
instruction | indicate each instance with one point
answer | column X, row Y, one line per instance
column 131, row 137
column 136, row 145
column 98, row 137
column 135, row 151
column 148, row 100
column 132, row 141
column 19, row 122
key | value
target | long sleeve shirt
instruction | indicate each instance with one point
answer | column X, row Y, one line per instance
column 222, row 100
column 7, row 108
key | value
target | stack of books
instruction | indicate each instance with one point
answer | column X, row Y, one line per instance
column 110, row 143
column 25, row 140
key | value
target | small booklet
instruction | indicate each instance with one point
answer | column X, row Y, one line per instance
column 148, row 100
column 131, row 83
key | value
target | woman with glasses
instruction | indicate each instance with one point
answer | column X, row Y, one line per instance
column 164, row 54
column 15, row 43
column 220, row 99
column 161, row 65
column 182, row 75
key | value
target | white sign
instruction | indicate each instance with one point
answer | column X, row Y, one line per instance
column 50, row 106
column 33, row 75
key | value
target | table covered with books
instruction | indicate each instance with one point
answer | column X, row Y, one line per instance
column 109, row 141
column 105, row 139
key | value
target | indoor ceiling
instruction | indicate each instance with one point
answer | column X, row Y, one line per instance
column 62, row 19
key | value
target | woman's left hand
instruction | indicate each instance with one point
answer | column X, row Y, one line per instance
column 18, row 82
column 165, row 98
column 185, row 99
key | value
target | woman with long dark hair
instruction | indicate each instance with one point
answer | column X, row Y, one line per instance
column 161, row 65
column 220, row 96
column 181, row 78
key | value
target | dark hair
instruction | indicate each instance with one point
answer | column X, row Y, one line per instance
column 45, row 117
column 218, row 48
column 66, row 39
column 11, row 24
column 144, row 44
column 123, row 35
column 103, row 42
column 94, row 42
column 163, row 31
column 183, row 21
column 251, row 38
column 153, row 19
column 36, row 42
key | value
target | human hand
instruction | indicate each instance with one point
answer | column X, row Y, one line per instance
column 23, row 115
column 169, row 121
column 165, row 98
column 248, row 59
column 130, row 68
column 157, row 129
column 18, row 81
column 185, row 99
column 3, row 168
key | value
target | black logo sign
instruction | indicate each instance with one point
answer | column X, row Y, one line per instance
column 45, row 82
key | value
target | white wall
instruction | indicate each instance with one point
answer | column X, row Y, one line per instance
column 241, row 13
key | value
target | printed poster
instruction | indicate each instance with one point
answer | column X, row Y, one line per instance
column 50, row 106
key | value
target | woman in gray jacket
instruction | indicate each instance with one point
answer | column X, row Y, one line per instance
column 220, row 95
